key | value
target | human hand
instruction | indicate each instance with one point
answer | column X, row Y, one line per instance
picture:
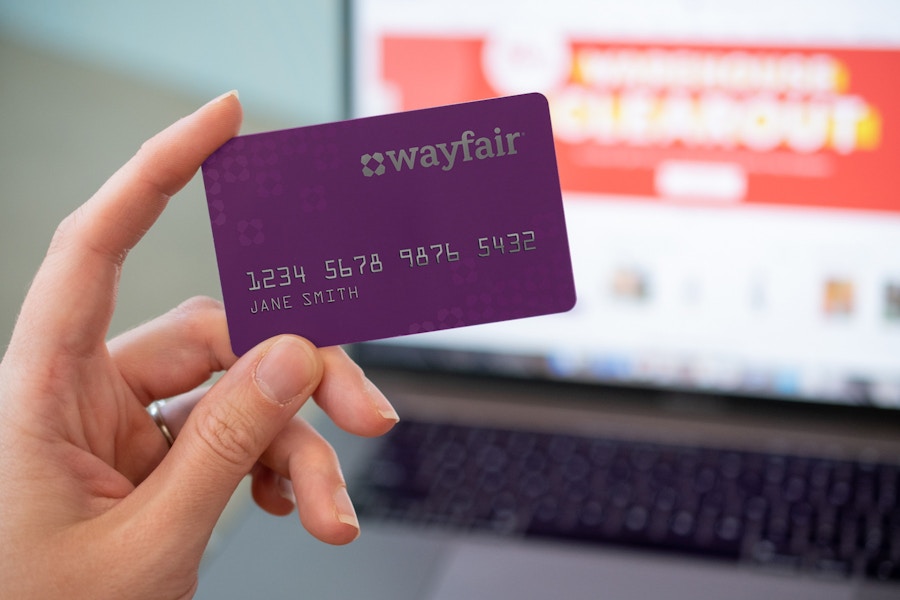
column 93, row 503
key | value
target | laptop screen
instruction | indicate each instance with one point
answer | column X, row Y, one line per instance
column 730, row 174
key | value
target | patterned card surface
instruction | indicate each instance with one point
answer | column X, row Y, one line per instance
column 391, row 225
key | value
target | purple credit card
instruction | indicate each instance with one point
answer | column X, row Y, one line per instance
column 391, row 225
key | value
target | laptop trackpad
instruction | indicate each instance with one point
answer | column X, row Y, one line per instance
column 483, row 569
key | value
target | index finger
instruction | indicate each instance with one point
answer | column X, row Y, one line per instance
column 86, row 254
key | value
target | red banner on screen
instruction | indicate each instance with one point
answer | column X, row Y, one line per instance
column 816, row 127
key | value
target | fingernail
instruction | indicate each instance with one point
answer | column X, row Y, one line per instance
column 284, row 371
column 343, row 508
column 382, row 404
column 286, row 490
column 222, row 97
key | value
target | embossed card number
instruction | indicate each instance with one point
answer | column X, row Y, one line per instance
column 391, row 225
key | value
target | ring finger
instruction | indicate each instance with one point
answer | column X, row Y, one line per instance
column 298, row 455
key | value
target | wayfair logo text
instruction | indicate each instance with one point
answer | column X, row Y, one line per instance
column 444, row 155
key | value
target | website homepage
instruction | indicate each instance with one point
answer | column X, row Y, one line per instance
column 732, row 185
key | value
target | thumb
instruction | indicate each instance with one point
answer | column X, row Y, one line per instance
column 227, row 432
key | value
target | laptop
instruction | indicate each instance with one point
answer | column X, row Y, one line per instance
column 719, row 415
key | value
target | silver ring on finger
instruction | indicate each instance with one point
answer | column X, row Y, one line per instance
column 154, row 409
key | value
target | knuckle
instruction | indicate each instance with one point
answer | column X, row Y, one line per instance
column 324, row 453
column 200, row 312
column 202, row 317
column 320, row 457
column 62, row 237
column 202, row 305
column 74, row 233
column 229, row 437
column 315, row 453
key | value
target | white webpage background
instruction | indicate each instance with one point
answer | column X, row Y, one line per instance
column 727, row 288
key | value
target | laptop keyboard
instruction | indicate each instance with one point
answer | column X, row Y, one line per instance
column 830, row 517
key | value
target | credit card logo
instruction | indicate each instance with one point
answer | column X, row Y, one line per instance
column 444, row 155
column 367, row 161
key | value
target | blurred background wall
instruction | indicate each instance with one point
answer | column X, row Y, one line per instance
column 83, row 84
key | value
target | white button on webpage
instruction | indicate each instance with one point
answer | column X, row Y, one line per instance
column 701, row 181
